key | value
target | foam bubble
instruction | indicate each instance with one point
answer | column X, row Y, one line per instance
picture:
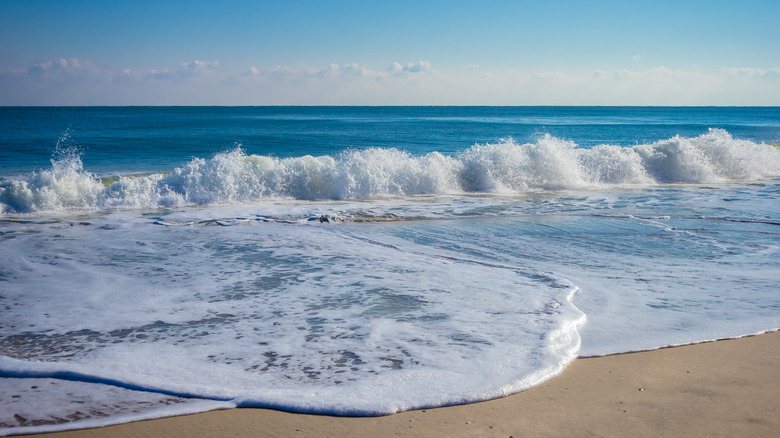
column 549, row 163
column 712, row 157
column 314, row 318
column 28, row 405
column 269, row 305
column 65, row 185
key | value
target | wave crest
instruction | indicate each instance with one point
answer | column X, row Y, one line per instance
column 504, row 167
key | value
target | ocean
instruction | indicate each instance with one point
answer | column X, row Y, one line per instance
column 156, row 261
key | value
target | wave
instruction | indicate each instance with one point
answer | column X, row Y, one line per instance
column 549, row 163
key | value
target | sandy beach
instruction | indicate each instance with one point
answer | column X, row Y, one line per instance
column 724, row 388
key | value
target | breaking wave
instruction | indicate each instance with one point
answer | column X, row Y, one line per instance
column 549, row 163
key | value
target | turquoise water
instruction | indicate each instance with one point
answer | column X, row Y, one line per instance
column 365, row 260
column 118, row 140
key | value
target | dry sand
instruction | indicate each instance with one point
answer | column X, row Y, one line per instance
column 726, row 388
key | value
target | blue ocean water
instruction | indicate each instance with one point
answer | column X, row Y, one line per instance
column 366, row 260
column 117, row 140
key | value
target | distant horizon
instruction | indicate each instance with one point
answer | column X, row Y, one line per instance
column 389, row 106
column 422, row 53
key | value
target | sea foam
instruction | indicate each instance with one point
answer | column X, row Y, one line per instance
column 309, row 318
column 549, row 163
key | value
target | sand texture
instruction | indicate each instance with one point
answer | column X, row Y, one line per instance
column 726, row 388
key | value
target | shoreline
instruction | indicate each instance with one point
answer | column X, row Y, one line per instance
column 720, row 388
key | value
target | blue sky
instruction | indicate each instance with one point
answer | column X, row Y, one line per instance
column 420, row 52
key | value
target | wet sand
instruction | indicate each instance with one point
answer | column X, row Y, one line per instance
column 725, row 388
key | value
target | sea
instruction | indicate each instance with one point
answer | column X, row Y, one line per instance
column 361, row 261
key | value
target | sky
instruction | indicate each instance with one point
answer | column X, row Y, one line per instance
column 288, row 52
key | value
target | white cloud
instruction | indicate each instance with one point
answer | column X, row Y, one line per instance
column 61, row 81
column 186, row 70
column 63, row 68
column 356, row 70
column 253, row 71
column 77, row 81
column 412, row 67
column 343, row 71
column 746, row 72
column 299, row 73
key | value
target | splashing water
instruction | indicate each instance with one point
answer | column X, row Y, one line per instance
column 507, row 167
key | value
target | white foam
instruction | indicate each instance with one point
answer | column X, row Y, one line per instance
column 273, row 309
column 550, row 163
column 65, row 186
column 312, row 318
column 712, row 157
column 81, row 405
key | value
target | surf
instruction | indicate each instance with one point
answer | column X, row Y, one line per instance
column 506, row 167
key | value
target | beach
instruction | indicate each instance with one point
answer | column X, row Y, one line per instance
column 722, row 388
column 446, row 257
column 404, row 219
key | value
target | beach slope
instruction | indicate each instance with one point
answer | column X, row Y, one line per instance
column 723, row 388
